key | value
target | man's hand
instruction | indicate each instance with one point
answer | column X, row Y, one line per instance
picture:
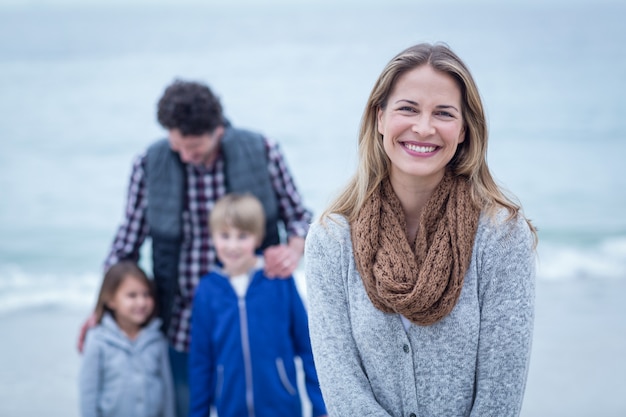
column 89, row 323
column 282, row 260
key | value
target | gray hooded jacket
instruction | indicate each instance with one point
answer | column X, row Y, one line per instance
column 120, row 377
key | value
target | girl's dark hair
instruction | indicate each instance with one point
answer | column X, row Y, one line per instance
column 113, row 278
column 190, row 107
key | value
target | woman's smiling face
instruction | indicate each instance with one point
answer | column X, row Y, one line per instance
column 422, row 125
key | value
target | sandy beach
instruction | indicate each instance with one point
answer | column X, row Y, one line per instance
column 39, row 363
column 578, row 367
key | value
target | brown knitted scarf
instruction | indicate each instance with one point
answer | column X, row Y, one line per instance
column 421, row 281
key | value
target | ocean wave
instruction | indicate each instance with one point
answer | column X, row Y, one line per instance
column 605, row 260
column 20, row 290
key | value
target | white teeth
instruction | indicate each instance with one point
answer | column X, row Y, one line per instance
column 420, row 149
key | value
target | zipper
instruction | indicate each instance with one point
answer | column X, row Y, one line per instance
column 247, row 359
column 219, row 384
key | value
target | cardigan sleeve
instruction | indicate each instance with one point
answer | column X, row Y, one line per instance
column 344, row 384
column 506, row 271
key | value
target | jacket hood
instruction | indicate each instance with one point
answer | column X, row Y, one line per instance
column 109, row 332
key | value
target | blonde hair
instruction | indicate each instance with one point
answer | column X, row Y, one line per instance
column 113, row 278
column 470, row 159
column 243, row 211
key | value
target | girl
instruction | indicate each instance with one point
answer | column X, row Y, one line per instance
column 125, row 369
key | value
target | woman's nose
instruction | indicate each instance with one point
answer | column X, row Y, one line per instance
column 423, row 126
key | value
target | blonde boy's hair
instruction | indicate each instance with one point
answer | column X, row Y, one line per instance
column 243, row 211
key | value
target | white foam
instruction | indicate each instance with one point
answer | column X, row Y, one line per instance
column 606, row 260
column 20, row 290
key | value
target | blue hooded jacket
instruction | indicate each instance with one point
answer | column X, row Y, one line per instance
column 241, row 358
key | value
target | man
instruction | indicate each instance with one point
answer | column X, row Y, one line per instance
column 174, row 185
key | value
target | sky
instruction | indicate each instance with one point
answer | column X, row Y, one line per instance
column 10, row 4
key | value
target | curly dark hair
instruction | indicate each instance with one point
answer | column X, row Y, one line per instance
column 190, row 107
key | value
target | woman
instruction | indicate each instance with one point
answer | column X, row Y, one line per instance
column 420, row 275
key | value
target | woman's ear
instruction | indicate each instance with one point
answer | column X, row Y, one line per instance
column 462, row 135
column 379, row 121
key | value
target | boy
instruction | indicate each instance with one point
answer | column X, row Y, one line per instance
column 247, row 329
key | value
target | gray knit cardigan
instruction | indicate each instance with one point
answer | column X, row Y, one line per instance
column 474, row 362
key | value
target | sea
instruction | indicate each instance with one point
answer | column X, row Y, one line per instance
column 79, row 83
